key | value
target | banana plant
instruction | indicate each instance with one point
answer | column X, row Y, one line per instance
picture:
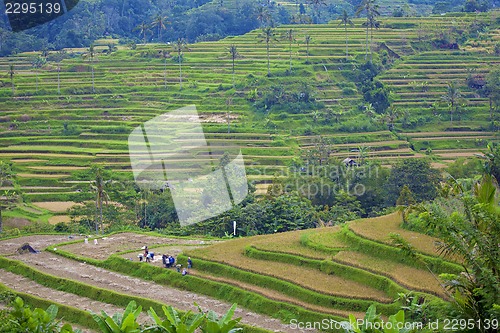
column 223, row 325
column 126, row 323
column 174, row 323
column 373, row 323
column 37, row 320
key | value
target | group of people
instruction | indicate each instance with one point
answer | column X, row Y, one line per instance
column 168, row 260
column 148, row 256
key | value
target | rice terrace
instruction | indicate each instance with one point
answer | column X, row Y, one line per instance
column 337, row 163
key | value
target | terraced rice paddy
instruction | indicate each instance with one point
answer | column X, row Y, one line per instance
column 282, row 269
column 303, row 247
column 379, row 228
column 52, row 137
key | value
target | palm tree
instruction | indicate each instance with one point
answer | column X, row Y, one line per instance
column 91, row 55
column 290, row 37
column 372, row 23
column 11, row 75
column 369, row 111
column 317, row 6
column 370, row 7
column 37, row 63
column 452, row 98
column 3, row 35
column 165, row 54
column 7, row 175
column 233, row 51
column 301, row 19
column 346, row 20
column 263, row 15
column 98, row 186
column 143, row 28
column 267, row 35
column 61, row 54
column 363, row 153
column 159, row 21
column 307, row 39
column 179, row 47
column 391, row 115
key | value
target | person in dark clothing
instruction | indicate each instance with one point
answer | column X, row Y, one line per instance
column 190, row 262
column 171, row 261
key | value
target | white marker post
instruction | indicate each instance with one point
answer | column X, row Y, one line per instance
column 234, row 228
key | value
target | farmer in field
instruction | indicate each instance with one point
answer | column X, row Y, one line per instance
column 190, row 262
column 146, row 253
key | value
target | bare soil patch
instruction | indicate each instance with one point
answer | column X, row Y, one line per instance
column 15, row 222
column 183, row 300
column 38, row 242
column 56, row 206
column 124, row 242
column 21, row 284
column 33, row 175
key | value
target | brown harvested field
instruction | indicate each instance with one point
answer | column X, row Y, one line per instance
column 28, row 160
column 231, row 253
column 33, row 175
column 379, row 228
column 183, row 300
column 38, row 242
column 458, row 154
column 288, row 242
column 15, row 222
column 410, row 277
column 56, row 206
column 446, row 134
column 275, row 295
column 22, row 284
column 173, row 250
column 58, row 167
column 437, row 165
column 59, row 218
column 123, row 242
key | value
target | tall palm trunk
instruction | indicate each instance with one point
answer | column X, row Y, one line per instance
column 346, row 42
column 180, row 71
column 58, row 79
column 268, row 60
column 100, row 215
column 233, row 71
column 165, row 71
column 97, row 214
column 93, row 81
column 367, row 27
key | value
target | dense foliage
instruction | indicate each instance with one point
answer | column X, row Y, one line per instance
column 21, row 318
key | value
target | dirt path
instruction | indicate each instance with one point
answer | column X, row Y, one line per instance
column 66, row 268
column 38, row 242
column 22, row 284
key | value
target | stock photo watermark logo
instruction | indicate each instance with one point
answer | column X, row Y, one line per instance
column 171, row 151
column 26, row 14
